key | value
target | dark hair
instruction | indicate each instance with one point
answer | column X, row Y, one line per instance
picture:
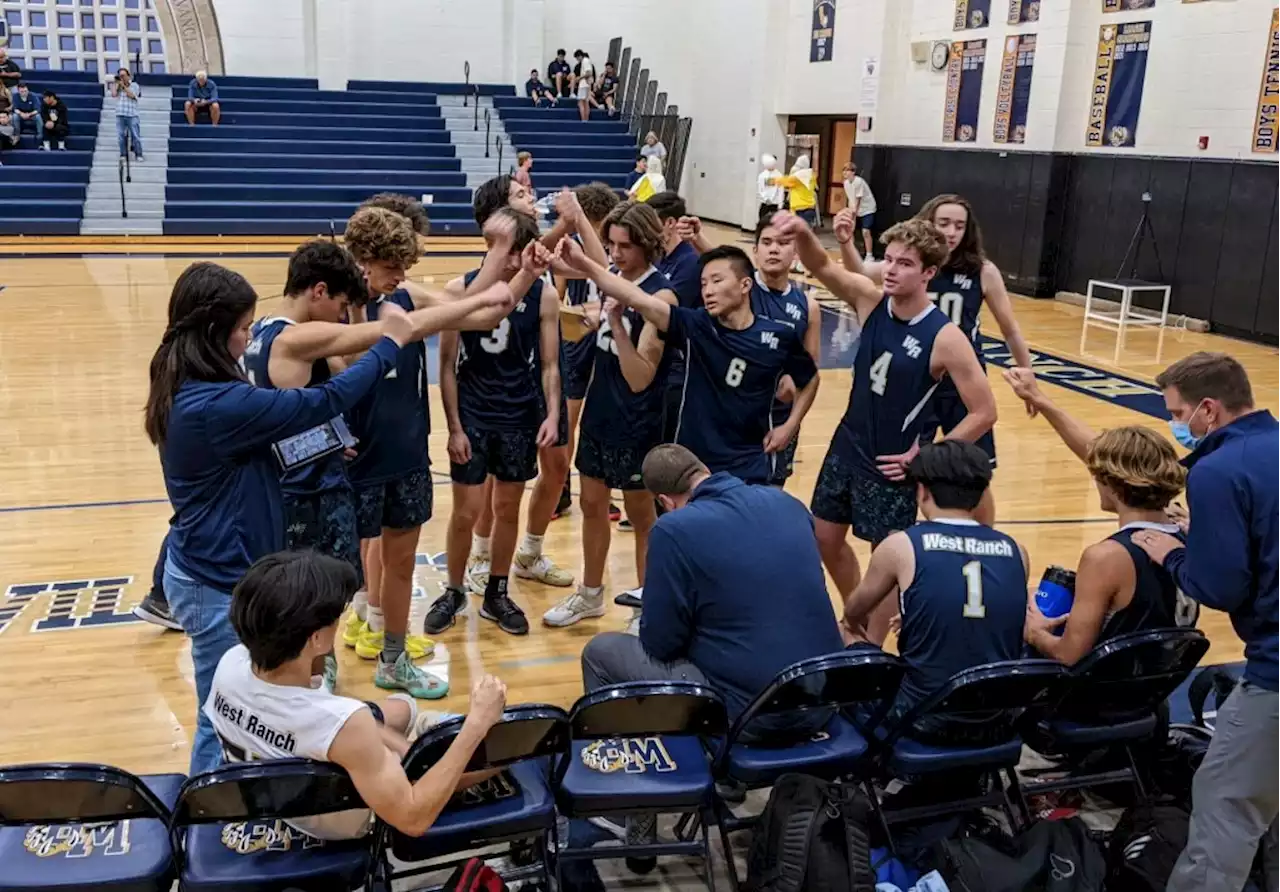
column 597, row 200
column 406, row 206
column 1213, row 376
column 643, row 158
column 669, row 469
column 642, row 225
column 122, row 70
column 319, row 261
column 284, row 599
column 969, row 255
column 51, row 93
column 560, row 52
column 207, row 303
column 743, row 268
column 955, row 473
column 669, row 205
column 534, row 72
column 765, row 221
column 491, row 195
column 608, row 65
column 578, row 54
column 526, row 228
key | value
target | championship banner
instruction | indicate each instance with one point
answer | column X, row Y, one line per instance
column 1122, row 5
column 1023, row 11
column 822, row 34
column 1118, row 78
column 1268, row 117
column 964, row 91
column 1014, row 95
column 972, row 14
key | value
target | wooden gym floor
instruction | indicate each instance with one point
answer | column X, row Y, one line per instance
column 83, row 509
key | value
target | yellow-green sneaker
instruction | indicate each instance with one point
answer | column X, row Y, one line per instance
column 416, row 646
column 352, row 631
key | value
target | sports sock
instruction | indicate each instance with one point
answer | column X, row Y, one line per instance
column 361, row 604
column 392, row 647
column 375, row 619
column 594, row 592
column 479, row 546
column 530, row 546
column 497, row 587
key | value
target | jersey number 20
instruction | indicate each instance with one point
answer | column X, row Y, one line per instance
column 604, row 337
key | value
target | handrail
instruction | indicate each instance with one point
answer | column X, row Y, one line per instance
column 466, row 73
column 497, row 141
column 486, row 132
column 477, row 116
column 126, row 172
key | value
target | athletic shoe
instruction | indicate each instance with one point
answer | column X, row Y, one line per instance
column 444, row 612
column 632, row 598
column 404, row 676
column 477, row 575
column 154, row 609
column 541, row 568
column 503, row 611
column 330, row 681
column 575, row 607
column 370, row 645
column 352, row 631
column 615, row 513
column 641, row 830
column 624, row 526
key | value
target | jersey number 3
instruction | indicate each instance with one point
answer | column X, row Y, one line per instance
column 496, row 340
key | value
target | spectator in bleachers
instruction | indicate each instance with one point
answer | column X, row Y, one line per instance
column 8, row 132
column 202, row 98
column 605, row 94
column 560, row 75
column 10, row 73
column 128, row 124
column 651, row 183
column 584, row 79
column 653, row 147
column 524, row 163
column 536, row 90
column 56, row 125
column 642, row 167
column 285, row 612
column 6, row 99
column 26, row 110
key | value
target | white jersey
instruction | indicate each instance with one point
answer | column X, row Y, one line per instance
column 259, row 720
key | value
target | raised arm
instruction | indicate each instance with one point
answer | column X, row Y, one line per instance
column 690, row 230
column 997, row 300
column 953, row 355
column 844, row 226
column 656, row 309
column 1074, row 433
column 856, row 290
column 320, row 340
column 639, row 362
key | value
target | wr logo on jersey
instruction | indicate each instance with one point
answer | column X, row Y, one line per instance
column 793, row 311
column 768, row 337
column 961, row 281
column 912, row 346
column 520, row 307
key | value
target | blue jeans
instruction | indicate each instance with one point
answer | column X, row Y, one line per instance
column 203, row 613
column 35, row 123
column 126, row 126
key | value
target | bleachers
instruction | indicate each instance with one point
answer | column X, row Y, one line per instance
column 43, row 193
column 566, row 150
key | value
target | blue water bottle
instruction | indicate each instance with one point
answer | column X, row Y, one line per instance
column 1056, row 592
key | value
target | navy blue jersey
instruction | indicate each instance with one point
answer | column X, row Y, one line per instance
column 892, row 386
column 613, row 414
column 499, row 382
column 790, row 307
column 392, row 422
column 965, row 605
column 1156, row 603
column 730, row 381
column 959, row 296
column 681, row 269
column 325, row 474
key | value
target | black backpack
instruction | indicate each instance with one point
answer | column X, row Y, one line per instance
column 1145, row 845
column 1049, row 856
column 812, row 837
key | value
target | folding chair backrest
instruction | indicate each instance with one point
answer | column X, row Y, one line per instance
column 74, row 793
column 640, row 709
column 998, row 687
column 1132, row 674
column 279, row 788
column 524, row 732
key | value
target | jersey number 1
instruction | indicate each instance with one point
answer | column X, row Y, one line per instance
column 973, row 606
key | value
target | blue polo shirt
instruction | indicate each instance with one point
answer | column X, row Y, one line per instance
column 209, row 92
column 740, row 621
column 1229, row 562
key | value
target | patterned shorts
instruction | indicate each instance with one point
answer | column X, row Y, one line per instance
column 847, row 495
column 325, row 523
column 618, row 466
column 510, row 456
column 399, row 504
column 784, row 463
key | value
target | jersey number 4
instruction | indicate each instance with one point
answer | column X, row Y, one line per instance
column 879, row 373
column 496, row 340
column 604, row 337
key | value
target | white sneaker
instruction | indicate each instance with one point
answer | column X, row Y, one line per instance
column 477, row 576
column 575, row 607
column 541, row 568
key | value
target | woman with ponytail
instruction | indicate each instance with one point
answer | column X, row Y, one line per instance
column 215, row 433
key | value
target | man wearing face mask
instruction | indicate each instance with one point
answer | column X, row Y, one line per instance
column 1228, row 563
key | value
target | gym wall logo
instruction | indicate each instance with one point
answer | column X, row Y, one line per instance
column 630, row 755
column 77, row 840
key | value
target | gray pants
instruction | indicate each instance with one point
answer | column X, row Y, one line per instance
column 615, row 657
column 1234, row 798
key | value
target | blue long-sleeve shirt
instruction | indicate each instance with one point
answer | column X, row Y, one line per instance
column 734, row 584
column 209, row 92
column 221, row 475
column 1229, row 562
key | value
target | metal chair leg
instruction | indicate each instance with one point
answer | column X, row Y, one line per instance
column 1137, row 775
column 707, row 859
column 884, row 822
column 725, row 845
column 1019, row 800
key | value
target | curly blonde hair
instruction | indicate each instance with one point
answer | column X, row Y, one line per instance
column 376, row 235
column 922, row 235
column 404, row 205
column 1138, row 465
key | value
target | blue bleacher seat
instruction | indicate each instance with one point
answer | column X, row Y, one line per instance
column 444, row 88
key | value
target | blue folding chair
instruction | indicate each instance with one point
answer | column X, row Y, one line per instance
column 517, row 805
column 638, row 749
column 860, row 683
column 229, row 829
column 995, row 694
column 1113, row 699
column 93, row 827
